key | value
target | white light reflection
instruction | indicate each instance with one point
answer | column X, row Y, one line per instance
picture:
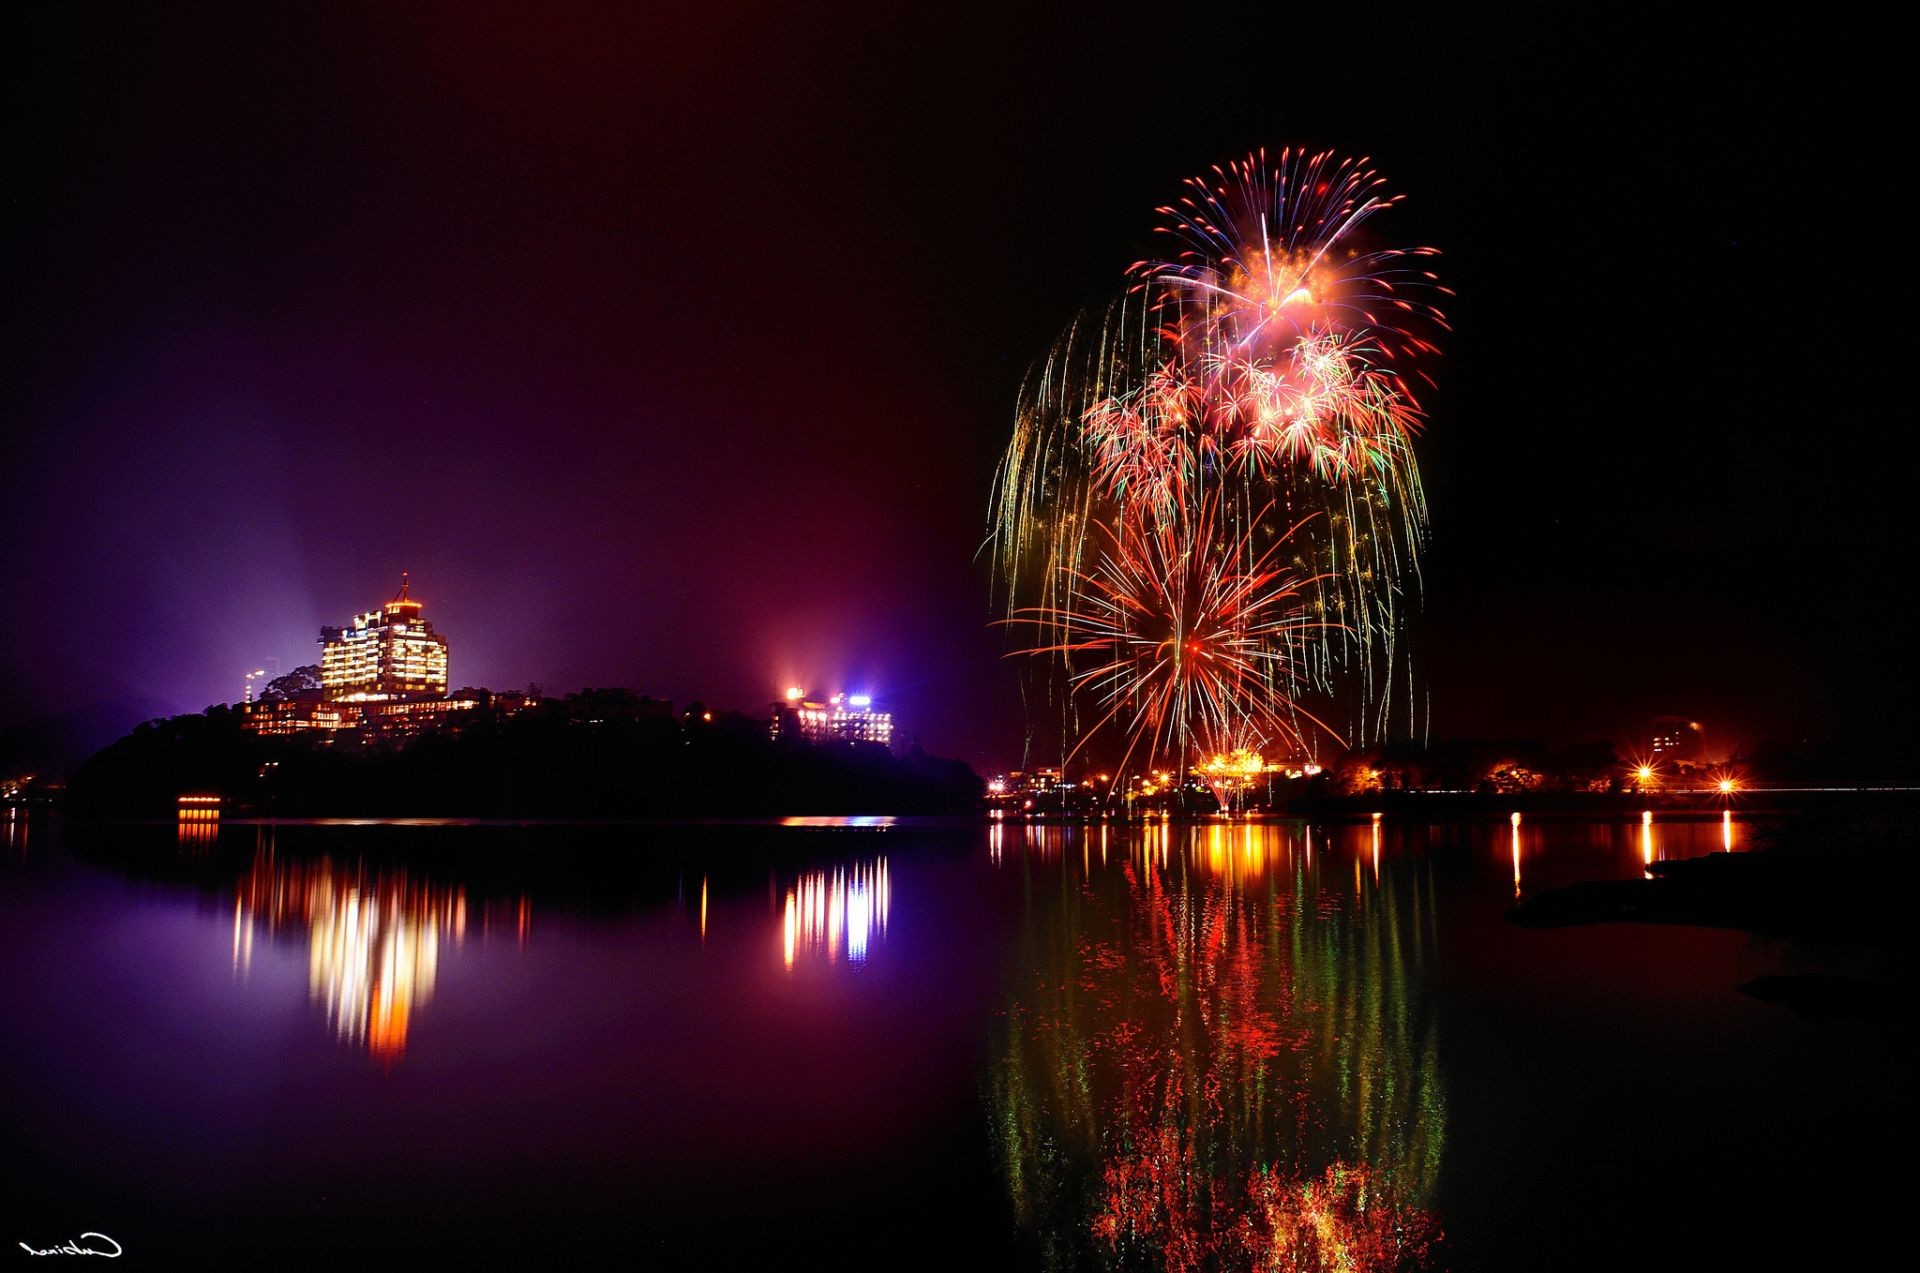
column 840, row 912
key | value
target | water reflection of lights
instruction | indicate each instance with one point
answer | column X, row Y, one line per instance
column 374, row 940
column 1236, row 850
column 199, row 826
column 1226, row 1063
column 1514, row 823
column 857, row 822
column 837, row 912
column 1646, row 841
column 1726, row 830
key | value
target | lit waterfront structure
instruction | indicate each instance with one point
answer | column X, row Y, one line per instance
column 389, row 653
column 1023, row 782
column 199, row 820
column 1676, row 739
column 849, row 718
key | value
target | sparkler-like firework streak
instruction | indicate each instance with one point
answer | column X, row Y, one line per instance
column 1243, row 405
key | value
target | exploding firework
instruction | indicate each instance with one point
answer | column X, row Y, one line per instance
column 1241, row 414
column 1269, row 255
column 1181, row 635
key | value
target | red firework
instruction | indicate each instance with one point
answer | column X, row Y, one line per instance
column 1185, row 633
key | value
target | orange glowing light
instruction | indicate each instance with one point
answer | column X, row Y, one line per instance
column 1516, row 854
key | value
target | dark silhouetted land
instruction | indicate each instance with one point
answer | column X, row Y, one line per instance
column 584, row 757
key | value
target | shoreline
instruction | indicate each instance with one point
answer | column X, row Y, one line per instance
column 1424, row 806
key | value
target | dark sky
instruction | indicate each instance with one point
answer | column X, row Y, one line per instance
column 676, row 350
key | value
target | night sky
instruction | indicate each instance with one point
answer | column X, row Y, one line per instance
column 676, row 351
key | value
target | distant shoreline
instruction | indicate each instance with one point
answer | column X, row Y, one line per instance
column 1421, row 806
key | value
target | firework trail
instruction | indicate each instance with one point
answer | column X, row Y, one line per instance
column 1234, row 430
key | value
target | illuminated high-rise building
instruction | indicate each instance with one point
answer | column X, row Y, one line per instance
column 389, row 653
column 850, row 718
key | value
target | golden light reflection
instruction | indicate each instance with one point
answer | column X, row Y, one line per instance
column 1726, row 830
column 242, row 940
column 199, row 825
column 1514, row 823
column 1646, row 840
column 837, row 913
column 373, row 940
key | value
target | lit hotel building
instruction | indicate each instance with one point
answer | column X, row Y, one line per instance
column 389, row 653
column 384, row 677
column 847, row 718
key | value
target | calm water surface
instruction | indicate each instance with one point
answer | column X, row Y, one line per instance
column 1225, row 1045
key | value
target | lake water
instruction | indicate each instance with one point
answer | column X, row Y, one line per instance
column 937, row 1045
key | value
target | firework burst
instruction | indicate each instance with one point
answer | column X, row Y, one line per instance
column 1182, row 635
column 1234, row 430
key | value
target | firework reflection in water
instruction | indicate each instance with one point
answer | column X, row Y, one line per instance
column 1219, row 1052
